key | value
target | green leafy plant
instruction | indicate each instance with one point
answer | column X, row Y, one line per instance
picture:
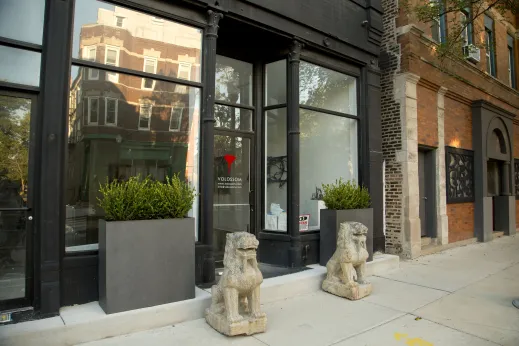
column 345, row 195
column 146, row 199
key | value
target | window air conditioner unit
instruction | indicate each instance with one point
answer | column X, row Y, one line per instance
column 472, row 53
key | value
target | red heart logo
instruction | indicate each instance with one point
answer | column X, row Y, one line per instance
column 230, row 159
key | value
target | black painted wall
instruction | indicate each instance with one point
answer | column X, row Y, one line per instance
column 352, row 28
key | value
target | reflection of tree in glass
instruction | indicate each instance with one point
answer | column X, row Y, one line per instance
column 14, row 139
column 229, row 87
column 318, row 88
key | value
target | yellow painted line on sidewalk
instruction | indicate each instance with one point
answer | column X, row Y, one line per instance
column 411, row 342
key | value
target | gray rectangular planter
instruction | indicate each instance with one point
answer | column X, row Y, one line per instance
column 330, row 221
column 145, row 263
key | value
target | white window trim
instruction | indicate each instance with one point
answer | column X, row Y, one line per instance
column 84, row 111
column 116, row 110
column 149, row 118
column 173, row 108
column 182, row 89
column 89, row 105
column 187, row 66
column 116, row 75
column 86, row 51
column 115, row 21
column 157, row 21
column 146, row 58
column 510, row 52
column 488, row 50
column 465, row 32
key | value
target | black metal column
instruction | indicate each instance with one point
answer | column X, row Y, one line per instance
column 295, row 258
column 207, row 183
column 50, row 212
column 371, row 151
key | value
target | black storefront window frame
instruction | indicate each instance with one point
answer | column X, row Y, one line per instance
column 31, row 295
column 81, row 267
column 351, row 71
column 59, row 274
column 302, row 247
column 100, row 67
column 32, row 266
column 359, row 72
column 327, row 62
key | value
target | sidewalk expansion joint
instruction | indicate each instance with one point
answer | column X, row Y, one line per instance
column 458, row 330
column 411, row 283
column 369, row 329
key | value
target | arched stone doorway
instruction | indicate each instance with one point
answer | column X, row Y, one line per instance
column 494, row 208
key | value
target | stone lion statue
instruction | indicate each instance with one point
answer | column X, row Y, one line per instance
column 346, row 270
column 235, row 306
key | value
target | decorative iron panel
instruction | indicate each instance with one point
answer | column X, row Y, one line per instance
column 516, row 177
column 459, row 169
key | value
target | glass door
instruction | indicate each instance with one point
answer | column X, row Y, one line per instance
column 233, row 151
column 232, row 188
column 16, row 144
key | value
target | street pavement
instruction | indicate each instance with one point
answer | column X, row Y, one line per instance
column 462, row 296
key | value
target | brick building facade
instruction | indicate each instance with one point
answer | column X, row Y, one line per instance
column 441, row 121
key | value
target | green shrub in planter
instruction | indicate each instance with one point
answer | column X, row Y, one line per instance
column 345, row 195
column 146, row 199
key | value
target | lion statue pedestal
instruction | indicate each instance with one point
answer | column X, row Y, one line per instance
column 235, row 307
column 346, row 269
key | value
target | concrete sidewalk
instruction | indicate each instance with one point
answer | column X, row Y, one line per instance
column 462, row 296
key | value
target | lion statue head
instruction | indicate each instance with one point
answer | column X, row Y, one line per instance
column 352, row 233
column 239, row 246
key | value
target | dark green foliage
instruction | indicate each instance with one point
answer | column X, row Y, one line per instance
column 345, row 195
column 428, row 11
column 146, row 199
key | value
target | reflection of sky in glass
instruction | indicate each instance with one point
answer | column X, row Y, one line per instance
column 23, row 66
column 22, row 19
column 327, row 89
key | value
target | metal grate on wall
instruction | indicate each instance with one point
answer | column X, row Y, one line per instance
column 459, row 167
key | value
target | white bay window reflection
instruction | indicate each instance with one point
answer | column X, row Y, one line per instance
column 150, row 66
column 175, row 120
column 329, row 135
column 111, row 111
column 112, row 59
column 145, row 112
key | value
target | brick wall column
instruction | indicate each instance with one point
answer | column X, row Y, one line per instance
column 442, row 221
column 405, row 95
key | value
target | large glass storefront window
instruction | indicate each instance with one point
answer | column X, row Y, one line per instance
column 328, row 139
column 123, row 125
column 15, row 136
column 276, row 172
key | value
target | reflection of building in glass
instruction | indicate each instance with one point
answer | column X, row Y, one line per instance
column 121, row 125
